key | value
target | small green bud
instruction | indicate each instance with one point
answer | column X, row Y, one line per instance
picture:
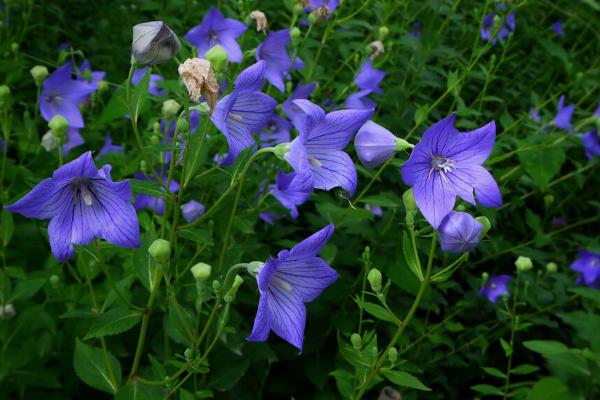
column 579, row 75
column 551, row 267
column 374, row 277
column 160, row 251
column 170, row 108
column 216, row 285
column 201, row 272
column 39, row 74
column 548, row 200
column 182, row 125
column 217, row 56
column 87, row 74
column 312, row 18
column 58, row 125
column 392, row 354
column 298, row 9
column 54, row 280
column 254, row 267
column 296, row 36
column 188, row 354
column 280, row 150
column 14, row 47
column 461, row 207
column 356, row 341
column 289, row 86
column 523, row 264
column 143, row 166
column 383, row 32
column 408, row 198
column 103, row 86
column 154, row 139
column 7, row 311
column 230, row 296
column 486, row 225
column 484, row 278
column 402, row 145
column 156, row 128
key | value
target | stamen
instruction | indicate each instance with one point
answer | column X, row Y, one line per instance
column 235, row 117
column 86, row 195
column 314, row 162
column 281, row 283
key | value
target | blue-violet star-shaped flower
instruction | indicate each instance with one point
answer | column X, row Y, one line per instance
column 292, row 190
column 564, row 114
column 588, row 266
column 287, row 282
column 273, row 50
column 460, row 232
column 82, row 202
column 447, row 163
column 216, row 29
column 496, row 286
column 319, row 147
column 243, row 111
column 61, row 95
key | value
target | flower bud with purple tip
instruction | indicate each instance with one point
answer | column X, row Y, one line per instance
column 459, row 232
column 375, row 145
column 154, row 43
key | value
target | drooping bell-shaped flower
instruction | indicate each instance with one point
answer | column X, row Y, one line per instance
column 216, row 29
column 61, row 95
column 154, row 43
column 285, row 283
column 82, row 203
column 459, row 232
column 369, row 77
column 318, row 149
column 591, row 144
column 447, row 163
column 496, row 286
column 244, row 111
column 588, row 266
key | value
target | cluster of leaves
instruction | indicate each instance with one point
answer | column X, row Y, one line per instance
column 540, row 343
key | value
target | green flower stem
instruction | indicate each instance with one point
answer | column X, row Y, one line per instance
column 513, row 328
column 145, row 320
column 422, row 287
column 235, row 203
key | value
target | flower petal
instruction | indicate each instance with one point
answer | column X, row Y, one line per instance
column 434, row 199
column 475, row 146
column 312, row 245
column 313, row 115
column 81, row 167
column 335, row 168
column 262, row 321
column 287, row 315
column 44, row 201
column 487, row 191
column 337, row 129
column 307, row 277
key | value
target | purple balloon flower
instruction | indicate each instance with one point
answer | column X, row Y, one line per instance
column 557, row 28
column 497, row 286
column 243, row 111
column 360, row 101
column 563, row 117
column 459, row 232
column 330, row 4
column 216, row 29
column 74, row 139
column 277, row 131
column 273, row 50
column 588, row 266
column 535, row 114
column 487, row 26
column 153, row 87
column 152, row 202
column 292, row 190
column 287, row 282
column 82, row 202
column 294, row 113
column 91, row 78
column 318, row 149
column 109, row 147
column 375, row 209
column 61, row 95
column 374, row 144
column 447, row 163
column 192, row 210
column 591, row 144
column 368, row 77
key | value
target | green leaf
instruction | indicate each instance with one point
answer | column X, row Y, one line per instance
column 487, row 389
column 115, row 108
column 549, row 389
column 506, row 347
column 555, row 49
column 404, row 379
column 542, row 164
column 377, row 311
column 91, row 368
column 591, row 294
column 421, row 115
column 546, row 347
column 179, row 323
column 494, row 372
column 113, row 322
column 343, row 381
column 135, row 391
column 409, row 255
column 140, row 96
column 199, row 235
column 147, row 187
column 7, row 227
column 27, row 289
column 524, row 369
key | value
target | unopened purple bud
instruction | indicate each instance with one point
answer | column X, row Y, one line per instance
column 459, row 232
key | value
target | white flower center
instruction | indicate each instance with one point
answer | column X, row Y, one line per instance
column 82, row 191
column 235, row 117
column 314, row 162
column 442, row 165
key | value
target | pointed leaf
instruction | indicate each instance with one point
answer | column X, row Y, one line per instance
column 91, row 368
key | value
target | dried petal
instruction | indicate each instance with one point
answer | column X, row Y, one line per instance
column 199, row 79
column 377, row 48
column 261, row 20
